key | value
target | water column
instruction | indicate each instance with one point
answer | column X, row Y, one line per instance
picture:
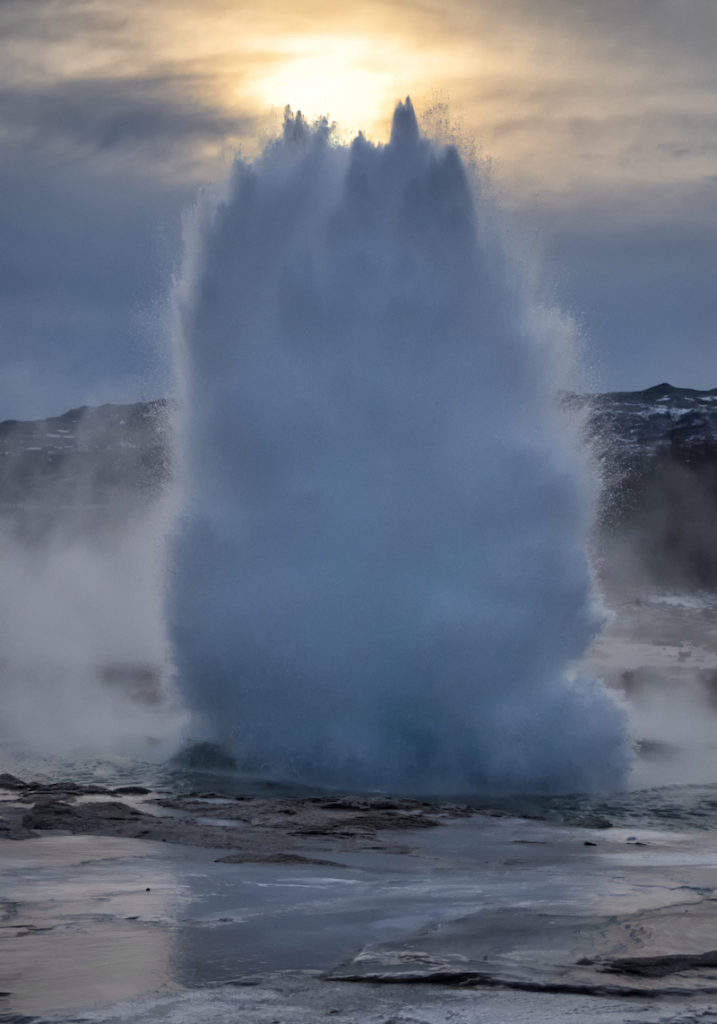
column 379, row 571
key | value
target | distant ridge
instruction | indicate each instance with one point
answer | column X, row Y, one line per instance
column 86, row 471
column 91, row 455
column 119, row 414
column 658, row 391
column 133, row 414
column 659, row 419
column 135, row 438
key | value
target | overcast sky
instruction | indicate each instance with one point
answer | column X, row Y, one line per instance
column 600, row 117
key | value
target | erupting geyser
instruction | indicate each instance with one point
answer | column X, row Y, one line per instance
column 380, row 576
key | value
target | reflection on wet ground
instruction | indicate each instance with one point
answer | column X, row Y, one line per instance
column 83, row 920
column 89, row 920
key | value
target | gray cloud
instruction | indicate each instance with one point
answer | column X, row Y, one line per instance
column 636, row 33
column 85, row 265
column 602, row 119
column 46, row 20
column 106, row 113
column 95, row 173
column 162, row 122
column 642, row 285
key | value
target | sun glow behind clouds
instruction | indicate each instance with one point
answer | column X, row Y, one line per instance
column 353, row 80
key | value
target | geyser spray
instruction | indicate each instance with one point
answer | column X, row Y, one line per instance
column 379, row 570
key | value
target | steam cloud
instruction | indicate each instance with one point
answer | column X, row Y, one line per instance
column 85, row 657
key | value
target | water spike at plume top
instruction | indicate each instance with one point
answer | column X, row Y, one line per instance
column 404, row 127
column 379, row 573
column 295, row 127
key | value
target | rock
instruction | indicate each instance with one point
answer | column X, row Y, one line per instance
column 112, row 810
column 12, row 829
column 56, row 814
column 8, row 781
column 65, row 789
column 661, row 966
column 51, row 814
column 353, row 803
column 364, row 824
column 275, row 858
column 589, row 821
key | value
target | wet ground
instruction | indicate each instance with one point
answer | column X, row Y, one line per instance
column 491, row 905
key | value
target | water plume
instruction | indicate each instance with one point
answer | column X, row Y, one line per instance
column 379, row 571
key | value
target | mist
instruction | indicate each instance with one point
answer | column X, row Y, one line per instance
column 85, row 662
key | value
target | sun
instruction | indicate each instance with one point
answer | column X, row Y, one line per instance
column 344, row 78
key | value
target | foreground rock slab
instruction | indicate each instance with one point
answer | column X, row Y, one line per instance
column 255, row 829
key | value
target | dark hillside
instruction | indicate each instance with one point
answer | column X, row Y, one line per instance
column 658, row 448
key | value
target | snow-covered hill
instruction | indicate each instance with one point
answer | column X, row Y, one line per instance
column 649, row 422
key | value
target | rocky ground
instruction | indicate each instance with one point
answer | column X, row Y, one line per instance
column 254, row 829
